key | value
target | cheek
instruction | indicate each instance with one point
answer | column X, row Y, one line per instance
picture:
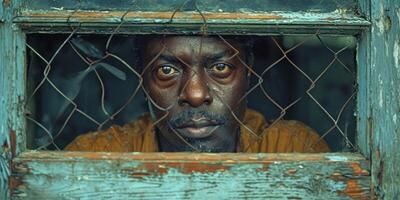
column 232, row 92
column 163, row 97
column 229, row 96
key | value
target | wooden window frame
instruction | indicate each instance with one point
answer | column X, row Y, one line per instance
column 39, row 174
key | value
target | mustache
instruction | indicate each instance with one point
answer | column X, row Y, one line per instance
column 186, row 116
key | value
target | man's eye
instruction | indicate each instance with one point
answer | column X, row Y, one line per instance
column 221, row 69
column 166, row 71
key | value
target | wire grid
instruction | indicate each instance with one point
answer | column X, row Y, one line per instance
column 94, row 60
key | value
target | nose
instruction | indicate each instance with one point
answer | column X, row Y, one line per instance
column 195, row 93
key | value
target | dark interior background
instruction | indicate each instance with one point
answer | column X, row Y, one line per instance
column 283, row 82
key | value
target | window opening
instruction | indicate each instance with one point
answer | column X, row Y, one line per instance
column 86, row 83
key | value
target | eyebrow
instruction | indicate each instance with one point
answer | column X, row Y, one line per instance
column 212, row 57
column 219, row 55
column 169, row 58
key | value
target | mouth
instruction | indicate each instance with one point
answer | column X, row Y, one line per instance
column 198, row 128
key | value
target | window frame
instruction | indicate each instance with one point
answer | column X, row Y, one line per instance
column 18, row 22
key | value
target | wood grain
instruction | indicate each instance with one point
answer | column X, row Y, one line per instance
column 384, row 95
column 12, row 91
column 74, row 175
column 190, row 22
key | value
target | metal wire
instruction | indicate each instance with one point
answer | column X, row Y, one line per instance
column 92, row 64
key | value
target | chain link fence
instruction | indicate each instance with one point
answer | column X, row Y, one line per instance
column 81, row 83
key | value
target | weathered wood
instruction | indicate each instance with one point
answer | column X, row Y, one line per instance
column 74, row 175
column 12, row 91
column 363, row 76
column 204, row 5
column 261, row 23
column 384, row 97
column 319, row 177
column 1, row 13
column 12, row 76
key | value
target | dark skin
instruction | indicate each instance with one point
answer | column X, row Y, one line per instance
column 195, row 84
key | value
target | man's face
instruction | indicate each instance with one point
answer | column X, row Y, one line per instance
column 196, row 84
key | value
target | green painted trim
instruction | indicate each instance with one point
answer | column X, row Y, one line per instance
column 384, row 95
column 363, row 73
column 1, row 13
column 80, row 175
column 12, row 87
column 364, row 123
column 204, row 5
column 191, row 22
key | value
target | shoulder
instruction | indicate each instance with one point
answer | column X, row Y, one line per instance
column 293, row 126
column 115, row 138
column 281, row 136
column 294, row 136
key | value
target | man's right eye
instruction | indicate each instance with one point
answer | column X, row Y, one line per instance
column 166, row 72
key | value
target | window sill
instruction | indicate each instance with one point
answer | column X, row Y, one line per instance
column 45, row 174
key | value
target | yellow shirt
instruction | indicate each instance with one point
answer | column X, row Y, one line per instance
column 139, row 136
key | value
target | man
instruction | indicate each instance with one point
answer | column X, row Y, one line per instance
column 196, row 90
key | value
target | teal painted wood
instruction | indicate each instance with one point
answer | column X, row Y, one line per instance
column 73, row 175
column 306, row 184
column 191, row 22
column 222, row 16
column 363, row 76
column 1, row 13
column 384, row 97
column 12, row 89
column 204, row 5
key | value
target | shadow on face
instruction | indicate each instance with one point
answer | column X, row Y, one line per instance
column 195, row 84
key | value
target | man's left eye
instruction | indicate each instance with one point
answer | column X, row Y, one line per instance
column 221, row 69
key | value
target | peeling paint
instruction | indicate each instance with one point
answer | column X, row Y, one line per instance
column 265, row 21
column 380, row 22
column 336, row 158
column 175, row 173
column 396, row 54
column 57, row 8
column 6, row 3
column 383, row 89
column 386, row 48
column 304, row 176
column 12, row 65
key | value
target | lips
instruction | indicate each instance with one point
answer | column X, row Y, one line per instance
column 198, row 128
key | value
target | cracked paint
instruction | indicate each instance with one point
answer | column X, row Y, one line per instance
column 183, row 176
column 396, row 54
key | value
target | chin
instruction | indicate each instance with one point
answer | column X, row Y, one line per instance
column 210, row 145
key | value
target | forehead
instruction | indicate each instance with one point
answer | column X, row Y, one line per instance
column 189, row 44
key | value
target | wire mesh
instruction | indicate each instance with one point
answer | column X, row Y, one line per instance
column 103, row 62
